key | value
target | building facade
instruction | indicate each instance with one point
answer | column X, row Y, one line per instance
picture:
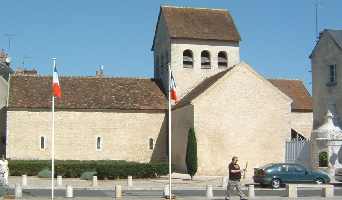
column 232, row 108
column 326, row 62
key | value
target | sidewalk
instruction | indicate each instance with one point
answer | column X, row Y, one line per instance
column 199, row 183
column 177, row 198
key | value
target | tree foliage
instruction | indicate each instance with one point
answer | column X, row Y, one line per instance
column 191, row 153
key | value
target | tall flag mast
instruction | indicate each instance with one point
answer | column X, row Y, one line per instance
column 171, row 95
column 56, row 90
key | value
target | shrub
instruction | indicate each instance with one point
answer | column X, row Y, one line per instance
column 110, row 169
column 88, row 175
column 323, row 159
column 45, row 173
column 191, row 153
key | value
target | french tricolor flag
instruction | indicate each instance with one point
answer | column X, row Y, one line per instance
column 57, row 92
column 173, row 89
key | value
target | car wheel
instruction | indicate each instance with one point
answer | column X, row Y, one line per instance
column 319, row 181
column 275, row 183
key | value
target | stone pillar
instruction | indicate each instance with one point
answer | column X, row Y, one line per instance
column 291, row 190
column 24, row 180
column 118, row 191
column 166, row 191
column 59, row 181
column 224, row 181
column 328, row 191
column 251, row 193
column 94, row 181
column 209, row 193
column 18, row 191
column 69, row 193
column 129, row 181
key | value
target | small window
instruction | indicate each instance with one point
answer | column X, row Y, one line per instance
column 151, row 143
column 188, row 59
column 323, row 159
column 42, row 142
column 98, row 143
column 205, row 60
column 332, row 73
column 222, row 59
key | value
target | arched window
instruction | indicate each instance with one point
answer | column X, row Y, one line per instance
column 222, row 59
column 205, row 60
column 323, row 159
column 188, row 59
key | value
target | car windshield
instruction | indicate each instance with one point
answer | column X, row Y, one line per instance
column 266, row 166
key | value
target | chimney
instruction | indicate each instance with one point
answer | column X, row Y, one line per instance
column 99, row 73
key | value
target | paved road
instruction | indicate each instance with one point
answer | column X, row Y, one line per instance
column 157, row 193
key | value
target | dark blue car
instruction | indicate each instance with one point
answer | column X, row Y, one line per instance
column 278, row 174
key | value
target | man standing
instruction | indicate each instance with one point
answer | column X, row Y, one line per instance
column 234, row 179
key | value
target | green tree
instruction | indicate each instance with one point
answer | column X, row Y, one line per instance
column 191, row 153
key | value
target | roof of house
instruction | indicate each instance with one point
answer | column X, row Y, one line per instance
column 336, row 35
column 87, row 93
column 199, row 23
column 200, row 88
column 295, row 89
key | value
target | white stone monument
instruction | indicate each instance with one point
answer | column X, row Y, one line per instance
column 327, row 139
column 4, row 172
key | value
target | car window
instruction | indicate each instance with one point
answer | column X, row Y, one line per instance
column 266, row 166
column 296, row 168
column 283, row 168
column 275, row 168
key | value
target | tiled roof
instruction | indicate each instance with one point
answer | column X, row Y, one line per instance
column 200, row 88
column 87, row 93
column 295, row 89
column 199, row 23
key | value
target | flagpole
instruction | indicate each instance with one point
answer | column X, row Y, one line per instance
column 53, row 139
column 170, row 127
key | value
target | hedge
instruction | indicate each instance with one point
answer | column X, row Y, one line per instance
column 106, row 169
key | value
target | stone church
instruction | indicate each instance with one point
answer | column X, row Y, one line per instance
column 233, row 109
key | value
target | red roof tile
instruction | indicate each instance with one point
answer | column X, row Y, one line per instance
column 87, row 93
column 295, row 89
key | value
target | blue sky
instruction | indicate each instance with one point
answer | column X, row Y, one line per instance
column 277, row 36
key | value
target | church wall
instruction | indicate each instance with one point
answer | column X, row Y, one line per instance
column 161, row 52
column 241, row 115
column 190, row 77
column 326, row 97
column 125, row 135
column 182, row 121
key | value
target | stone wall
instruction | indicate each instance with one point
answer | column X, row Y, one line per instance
column 3, row 92
column 161, row 52
column 182, row 121
column 188, row 78
column 242, row 115
column 125, row 135
column 2, row 131
column 302, row 123
column 326, row 97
